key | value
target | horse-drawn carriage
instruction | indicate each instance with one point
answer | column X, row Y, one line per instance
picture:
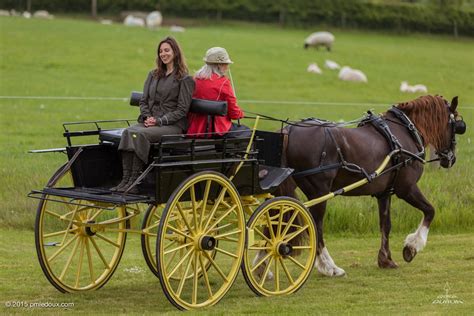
column 209, row 212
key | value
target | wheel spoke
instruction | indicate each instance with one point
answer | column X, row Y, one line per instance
column 221, row 218
column 178, row 265
column 280, row 220
column 260, row 248
column 107, row 240
column 68, row 262
column 79, row 264
column 183, row 278
column 265, row 272
column 218, row 269
column 89, row 260
column 181, row 212
column 195, row 278
column 270, row 226
column 290, row 222
column 63, row 247
column 96, row 214
column 204, row 274
column 53, row 214
column 204, row 202
column 302, row 247
column 262, row 235
column 296, row 233
column 296, row 262
column 193, row 205
column 226, row 252
column 288, row 275
column 100, row 254
column 177, row 231
column 178, row 248
column 214, row 208
column 59, row 233
column 277, row 276
column 222, row 236
column 258, row 264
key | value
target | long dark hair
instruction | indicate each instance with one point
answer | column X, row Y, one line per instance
column 179, row 61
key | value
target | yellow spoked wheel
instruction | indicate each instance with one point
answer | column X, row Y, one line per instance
column 151, row 220
column 281, row 247
column 203, row 216
column 78, row 245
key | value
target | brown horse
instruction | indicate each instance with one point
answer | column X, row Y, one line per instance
column 327, row 157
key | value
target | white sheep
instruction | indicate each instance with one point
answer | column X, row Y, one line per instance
column 349, row 74
column 176, row 28
column 313, row 68
column 26, row 15
column 43, row 14
column 154, row 19
column 4, row 13
column 130, row 20
column 331, row 64
column 405, row 87
column 317, row 39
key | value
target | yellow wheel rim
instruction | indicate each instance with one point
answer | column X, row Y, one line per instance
column 273, row 263
column 203, row 216
column 78, row 246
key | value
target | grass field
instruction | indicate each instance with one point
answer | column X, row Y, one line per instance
column 80, row 58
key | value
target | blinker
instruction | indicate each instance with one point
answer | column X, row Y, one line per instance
column 459, row 127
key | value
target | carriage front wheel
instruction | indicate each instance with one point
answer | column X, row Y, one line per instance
column 204, row 217
column 79, row 246
column 281, row 247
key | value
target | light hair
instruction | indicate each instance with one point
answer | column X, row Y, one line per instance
column 207, row 70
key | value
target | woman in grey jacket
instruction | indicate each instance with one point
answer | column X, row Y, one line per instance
column 167, row 95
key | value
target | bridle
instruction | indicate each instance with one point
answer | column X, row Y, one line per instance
column 456, row 127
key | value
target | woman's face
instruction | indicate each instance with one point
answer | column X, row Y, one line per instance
column 224, row 67
column 166, row 53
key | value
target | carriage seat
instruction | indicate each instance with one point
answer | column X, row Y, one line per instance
column 210, row 108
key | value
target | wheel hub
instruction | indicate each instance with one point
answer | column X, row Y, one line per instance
column 284, row 249
column 207, row 242
column 88, row 230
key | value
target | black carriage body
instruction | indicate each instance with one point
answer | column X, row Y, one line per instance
column 96, row 168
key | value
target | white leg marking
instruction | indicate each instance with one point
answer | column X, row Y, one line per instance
column 261, row 269
column 326, row 265
column 418, row 239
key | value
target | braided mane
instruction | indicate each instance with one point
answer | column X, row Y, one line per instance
column 430, row 116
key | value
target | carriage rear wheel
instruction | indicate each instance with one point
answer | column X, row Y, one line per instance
column 150, row 223
column 79, row 246
column 203, row 216
column 274, row 263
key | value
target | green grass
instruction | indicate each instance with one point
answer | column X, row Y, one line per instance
column 410, row 289
column 82, row 58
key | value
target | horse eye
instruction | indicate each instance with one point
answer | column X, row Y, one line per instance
column 459, row 127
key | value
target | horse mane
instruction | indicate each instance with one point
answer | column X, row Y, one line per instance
column 429, row 114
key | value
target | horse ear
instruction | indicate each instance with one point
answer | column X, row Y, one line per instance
column 454, row 104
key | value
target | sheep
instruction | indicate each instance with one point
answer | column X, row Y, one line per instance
column 4, row 13
column 405, row 87
column 313, row 68
column 331, row 64
column 26, row 15
column 349, row 74
column 317, row 39
column 43, row 14
column 176, row 28
column 130, row 20
column 154, row 19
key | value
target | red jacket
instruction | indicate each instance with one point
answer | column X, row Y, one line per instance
column 215, row 89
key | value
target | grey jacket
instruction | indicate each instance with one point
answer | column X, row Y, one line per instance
column 172, row 105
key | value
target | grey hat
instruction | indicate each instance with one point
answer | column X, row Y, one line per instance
column 217, row 55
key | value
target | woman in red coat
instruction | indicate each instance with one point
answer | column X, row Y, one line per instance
column 212, row 84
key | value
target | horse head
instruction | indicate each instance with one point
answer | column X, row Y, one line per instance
column 456, row 125
column 438, row 122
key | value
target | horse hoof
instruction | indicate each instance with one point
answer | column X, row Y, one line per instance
column 409, row 253
column 388, row 265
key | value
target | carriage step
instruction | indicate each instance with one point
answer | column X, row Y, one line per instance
column 52, row 244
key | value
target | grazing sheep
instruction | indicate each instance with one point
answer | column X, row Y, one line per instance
column 349, row 74
column 331, row 64
column 154, row 19
column 4, row 13
column 313, row 68
column 130, row 20
column 43, row 14
column 317, row 39
column 106, row 22
column 27, row 15
column 176, row 28
column 405, row 87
